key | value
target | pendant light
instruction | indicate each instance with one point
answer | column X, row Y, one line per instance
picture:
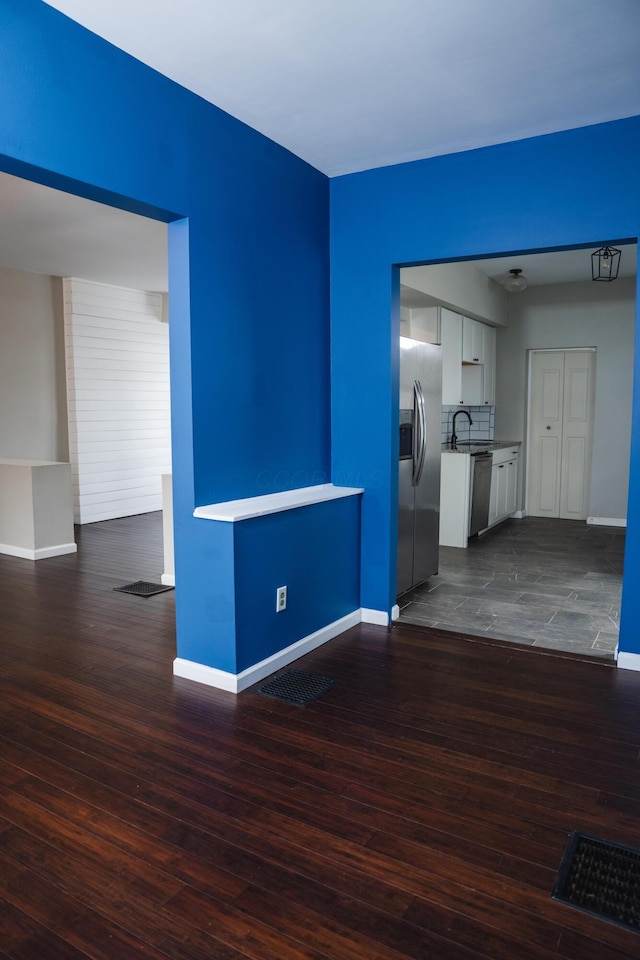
column 515, row 282
column 605, row 263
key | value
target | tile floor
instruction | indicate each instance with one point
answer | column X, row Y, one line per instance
column 549, row 583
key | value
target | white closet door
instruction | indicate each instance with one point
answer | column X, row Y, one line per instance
column 547, row 392
column 561, row 433
column 577, row 434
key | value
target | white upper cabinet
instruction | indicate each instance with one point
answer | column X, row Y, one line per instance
column 420, row 323
column 467, row 382
column 472, row 341
column 489, row 371
column 451, row 339
column 425, row 324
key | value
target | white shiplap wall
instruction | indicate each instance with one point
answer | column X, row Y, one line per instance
column 117, row 359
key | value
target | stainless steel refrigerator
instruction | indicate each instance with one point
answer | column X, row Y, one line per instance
column 419, row 464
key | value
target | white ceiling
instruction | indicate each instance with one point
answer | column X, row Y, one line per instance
column 540, row 269
column 47, row 231
column 354, row 84
column 346, row 84
column 566, row 266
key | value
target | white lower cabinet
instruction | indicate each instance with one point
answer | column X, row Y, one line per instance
column 455, row 499
column 504, row 485
column 456, row 475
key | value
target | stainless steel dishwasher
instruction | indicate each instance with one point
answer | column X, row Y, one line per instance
column 480, row 491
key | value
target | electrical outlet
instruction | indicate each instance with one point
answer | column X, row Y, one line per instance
column 281, row 599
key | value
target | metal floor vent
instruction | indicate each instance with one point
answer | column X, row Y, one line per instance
column 143, row 588
column 295, row 686
column 601, row 878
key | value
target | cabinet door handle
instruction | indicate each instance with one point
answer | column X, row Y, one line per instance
column 501, row 465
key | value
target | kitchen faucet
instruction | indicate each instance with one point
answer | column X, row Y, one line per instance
column 454, row 438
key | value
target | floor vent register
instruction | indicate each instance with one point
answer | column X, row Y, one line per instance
column 295, row 686
column 143, row 588
column 601, row 878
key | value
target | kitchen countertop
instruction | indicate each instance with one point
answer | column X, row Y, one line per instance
column 488, row 445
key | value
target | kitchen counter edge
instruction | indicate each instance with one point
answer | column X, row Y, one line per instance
column 490, row 446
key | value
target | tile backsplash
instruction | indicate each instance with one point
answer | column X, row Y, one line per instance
column 481, row 429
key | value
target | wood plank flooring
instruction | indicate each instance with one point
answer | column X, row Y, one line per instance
column 419, row 809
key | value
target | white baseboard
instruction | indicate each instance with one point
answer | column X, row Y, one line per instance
column 629, row 661
column 41, row 553
column 607, row 521
column 379, row 617
column 168, row 579
column 56, row 551
column 235, row 683
column 210, row 676
column 519, row 514
column 395, row 612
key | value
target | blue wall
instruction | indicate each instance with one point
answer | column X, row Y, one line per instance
column 249, row 282
column 321, row 590
column 572, row 188
column 249, row 278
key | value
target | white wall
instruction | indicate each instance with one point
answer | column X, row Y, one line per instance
column 117, row 349
column 600, row 315
column 33, row 410
column 460, row 287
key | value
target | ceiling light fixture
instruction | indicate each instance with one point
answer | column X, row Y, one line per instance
column 605, row 263
column 515, row 283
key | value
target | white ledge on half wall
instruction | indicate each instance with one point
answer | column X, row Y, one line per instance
column 230, row 511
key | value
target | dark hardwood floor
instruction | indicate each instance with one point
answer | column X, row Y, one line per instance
column 419, row 809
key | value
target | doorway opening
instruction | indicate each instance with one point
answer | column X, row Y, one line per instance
column 84, row 360
column 545, row 581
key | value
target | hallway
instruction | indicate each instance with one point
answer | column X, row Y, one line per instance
column 547, row 583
